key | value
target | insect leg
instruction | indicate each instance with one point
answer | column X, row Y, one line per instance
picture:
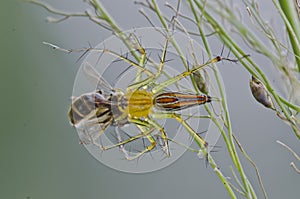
column 152, row 78
column 147, row 149
column 141, row 135
column 148, row 122
column 121, row 144
column 163, row 135
column 180, row 76
column 200, row 141
column 131, row 139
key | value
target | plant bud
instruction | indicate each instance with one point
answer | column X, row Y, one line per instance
column 260, row 93
column 201, row 81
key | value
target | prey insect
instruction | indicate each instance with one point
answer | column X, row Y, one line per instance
column 143, row 102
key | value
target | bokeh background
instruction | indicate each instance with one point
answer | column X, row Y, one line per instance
column 39, row 151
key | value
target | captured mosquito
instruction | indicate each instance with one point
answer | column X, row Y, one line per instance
column 142, row 104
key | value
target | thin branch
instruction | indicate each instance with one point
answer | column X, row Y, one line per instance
column 253, row 164
column 292, row 164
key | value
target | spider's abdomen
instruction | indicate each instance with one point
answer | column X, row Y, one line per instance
column 173, row 101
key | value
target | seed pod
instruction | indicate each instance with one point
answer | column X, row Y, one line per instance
column 260, row 93
column 201, row 81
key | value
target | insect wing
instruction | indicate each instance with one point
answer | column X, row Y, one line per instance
column 94, row 77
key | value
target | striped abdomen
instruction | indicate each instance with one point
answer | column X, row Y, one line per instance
column 173, row 101
column 90, row 106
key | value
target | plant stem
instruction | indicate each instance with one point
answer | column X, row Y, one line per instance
column 290, row 16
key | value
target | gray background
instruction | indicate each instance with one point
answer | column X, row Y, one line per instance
column 39, row 150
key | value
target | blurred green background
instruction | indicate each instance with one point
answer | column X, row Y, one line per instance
column 39, row 150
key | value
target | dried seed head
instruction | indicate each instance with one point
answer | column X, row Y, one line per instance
column 260, row 93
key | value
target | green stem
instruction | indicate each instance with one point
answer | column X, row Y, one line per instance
column 161, row 18
column 290, row 16
column 231, row 147
column 165, row 25
column 199, row 142
column 287, row 103
column 228, row 140
column 105, row 16
column 238, row 52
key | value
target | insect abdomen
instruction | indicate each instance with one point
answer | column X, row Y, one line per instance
column 89, row 106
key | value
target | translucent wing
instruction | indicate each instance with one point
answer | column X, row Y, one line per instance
column 95, row 78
